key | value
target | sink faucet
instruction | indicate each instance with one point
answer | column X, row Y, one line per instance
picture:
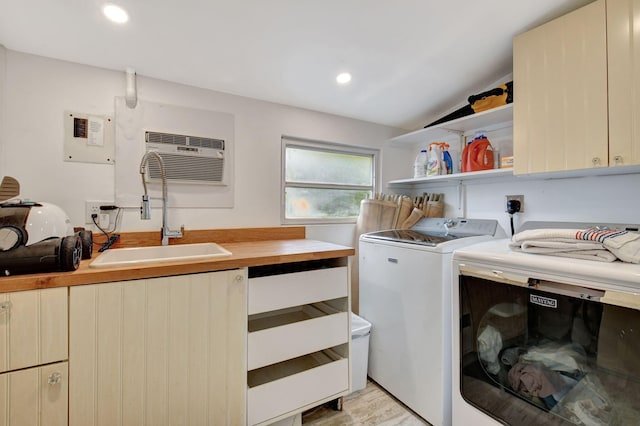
column 145, row 209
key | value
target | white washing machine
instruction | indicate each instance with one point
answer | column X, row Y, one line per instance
column 405, row 293
column 540, row 339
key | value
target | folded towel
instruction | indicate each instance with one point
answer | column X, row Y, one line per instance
column 570, row 235
column 601, row 255
column 581, row 244
column 558, row 245
column 625, row 245
column 574, row 243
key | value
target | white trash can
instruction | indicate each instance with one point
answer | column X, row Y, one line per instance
column 360, row 330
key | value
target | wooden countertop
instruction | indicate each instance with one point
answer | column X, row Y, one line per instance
column 264, row 251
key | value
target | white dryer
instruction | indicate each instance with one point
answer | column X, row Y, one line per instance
column 540, row 339
column 405, row 293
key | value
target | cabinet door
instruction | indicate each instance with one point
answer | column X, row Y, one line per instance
column 623, row 44
column 161, row 351
column 35, row 396
column 33, row 328
column 560, row 94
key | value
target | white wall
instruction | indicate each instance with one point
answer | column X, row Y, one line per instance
column 35, row 91
column 611, row 199
column 598, row 199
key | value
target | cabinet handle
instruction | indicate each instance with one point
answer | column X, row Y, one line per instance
column 238, row 278
column 596, row 161
column 618, row 159
column 54, row 378
column 5, row 307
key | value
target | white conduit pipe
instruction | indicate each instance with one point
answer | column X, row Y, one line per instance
column 131, row 94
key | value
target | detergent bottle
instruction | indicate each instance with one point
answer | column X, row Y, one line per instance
column 434, row 165
column 420, row 164
column 477, row 155
column 447, row 161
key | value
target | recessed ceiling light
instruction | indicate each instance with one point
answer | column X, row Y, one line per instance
column 115, row 13
column 343, row 78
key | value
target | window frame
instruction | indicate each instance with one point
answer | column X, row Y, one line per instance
column 334, row 147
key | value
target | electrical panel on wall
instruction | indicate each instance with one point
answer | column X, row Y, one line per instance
column 89, row 138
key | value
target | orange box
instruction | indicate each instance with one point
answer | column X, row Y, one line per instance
column 506, row 162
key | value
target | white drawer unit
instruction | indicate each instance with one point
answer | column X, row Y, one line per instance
column 33, row 328
column 273, row 292
column 297, row 384
column 295, row 332
column 299, row 337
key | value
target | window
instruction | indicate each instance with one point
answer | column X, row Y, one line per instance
column 325, row 182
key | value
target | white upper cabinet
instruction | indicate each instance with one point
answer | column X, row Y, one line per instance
column 560, row 94
column 623, row 44
column 577, row 90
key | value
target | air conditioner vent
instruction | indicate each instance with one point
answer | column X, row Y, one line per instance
column 187, row 159
column 189, row 168
column 206, row 142
column 166, row 138
column 171, row 139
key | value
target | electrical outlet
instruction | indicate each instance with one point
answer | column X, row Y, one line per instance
column 93, row 207
column 515, row 197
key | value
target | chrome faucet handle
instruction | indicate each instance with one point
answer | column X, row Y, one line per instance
column 145, row 208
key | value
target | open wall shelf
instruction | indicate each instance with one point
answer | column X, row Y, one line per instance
column 491, row 117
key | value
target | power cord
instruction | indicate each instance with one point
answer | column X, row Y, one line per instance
column 513, row 207
column 111, row 239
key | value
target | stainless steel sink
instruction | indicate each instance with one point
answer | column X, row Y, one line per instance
column 144, row 255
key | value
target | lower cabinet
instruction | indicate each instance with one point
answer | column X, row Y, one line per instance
column 33, row 328
column 161, row 351
column 299, row 336
column 33, row 357
column 35, row 396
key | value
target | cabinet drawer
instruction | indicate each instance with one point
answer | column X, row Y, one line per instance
column 296, row 332
column 294, row 385
column 275, row 292
column 35, row 396
column 33, row 328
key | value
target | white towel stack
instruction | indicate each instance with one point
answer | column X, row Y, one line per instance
column 591, row 244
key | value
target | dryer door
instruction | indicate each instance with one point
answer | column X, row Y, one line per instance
column 536, row 352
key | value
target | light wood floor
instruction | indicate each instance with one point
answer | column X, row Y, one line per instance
column 370, row 406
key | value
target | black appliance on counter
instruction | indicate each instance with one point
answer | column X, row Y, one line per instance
column 38, row 237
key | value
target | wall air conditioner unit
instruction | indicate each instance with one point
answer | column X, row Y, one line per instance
column 187, row 159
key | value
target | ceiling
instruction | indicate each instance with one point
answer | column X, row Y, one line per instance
column 411, row 60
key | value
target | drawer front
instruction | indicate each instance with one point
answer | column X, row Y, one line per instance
column 299, row 288
column 272, row 345
column 33, row 328
column 297, row 391
column 35, row 396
